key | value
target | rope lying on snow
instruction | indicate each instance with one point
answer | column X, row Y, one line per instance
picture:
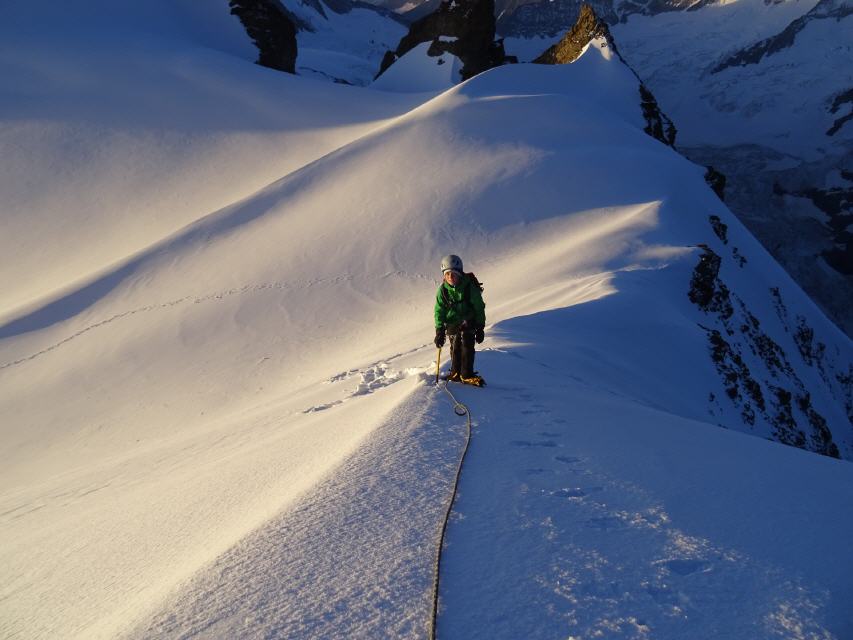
column 460, row 410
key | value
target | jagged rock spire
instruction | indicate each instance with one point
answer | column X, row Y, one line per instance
column 587, row 28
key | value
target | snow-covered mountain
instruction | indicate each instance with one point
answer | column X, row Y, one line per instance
column 342, row 40
column 216, row 363
column 759, row 90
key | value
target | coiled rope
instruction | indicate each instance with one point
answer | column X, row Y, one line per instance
column 460, row 410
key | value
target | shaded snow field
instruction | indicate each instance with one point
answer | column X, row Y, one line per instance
column 215, row 374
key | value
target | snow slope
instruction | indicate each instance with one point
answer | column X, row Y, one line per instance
column 226, row 429
column 583, row 514
column 419, row 72
column 107, row 154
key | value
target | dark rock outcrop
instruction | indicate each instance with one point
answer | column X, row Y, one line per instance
column 837, row 204
column 658, row 125
column 845, row 97
column 721, row 229
column 463, row 28
column 741, row 388
column 707, row 291
column 271, row 28
column 717, row 181
column 587, row 28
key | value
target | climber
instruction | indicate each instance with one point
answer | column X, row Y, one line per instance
column 460, row 313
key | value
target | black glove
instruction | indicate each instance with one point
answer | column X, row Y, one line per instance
column 479, row 336
column 439, row 337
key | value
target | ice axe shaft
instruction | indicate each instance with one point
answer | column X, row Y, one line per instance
column 437, row 365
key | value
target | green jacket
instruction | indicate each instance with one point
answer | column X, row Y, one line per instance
column 465, row 303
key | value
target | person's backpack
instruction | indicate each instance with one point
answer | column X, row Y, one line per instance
column 473, row 279
column 470, row 280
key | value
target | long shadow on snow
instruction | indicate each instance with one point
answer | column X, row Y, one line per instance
column 201, row 232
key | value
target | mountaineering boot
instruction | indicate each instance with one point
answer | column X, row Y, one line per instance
column 453, row 376
column 475, row 380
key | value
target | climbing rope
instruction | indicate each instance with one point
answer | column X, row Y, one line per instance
column 460, row 410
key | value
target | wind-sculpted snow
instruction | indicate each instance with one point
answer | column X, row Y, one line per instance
column 566, row 527
column 195, row 422
column 154, row 120
column 353, row 558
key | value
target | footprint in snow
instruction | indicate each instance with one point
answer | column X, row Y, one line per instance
column 567, row 459
column 529, row 443
column 537, row 472
column 376, row 377
column 686, row 567
column 575, row 492
column 322, row 407
column 343, row 375
column 606, row 523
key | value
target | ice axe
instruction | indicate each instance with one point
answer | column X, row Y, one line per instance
column 437, row 365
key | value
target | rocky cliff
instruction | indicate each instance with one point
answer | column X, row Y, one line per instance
column 463, row 28
column 271, row 29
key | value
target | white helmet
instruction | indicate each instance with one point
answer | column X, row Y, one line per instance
column 451, row 263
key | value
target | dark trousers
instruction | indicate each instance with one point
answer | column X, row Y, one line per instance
column 462, row 353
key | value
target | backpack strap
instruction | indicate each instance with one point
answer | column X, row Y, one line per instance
column 466, row 292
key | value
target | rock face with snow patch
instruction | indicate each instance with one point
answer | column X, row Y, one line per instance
column 839, row 100
column 756, row 372
column 271, row 29
column 717, row 182
column 801, row 213
column 463, row 28
column 590, row 27
column 823, row 10
column 837, row 204
column 587, row 27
